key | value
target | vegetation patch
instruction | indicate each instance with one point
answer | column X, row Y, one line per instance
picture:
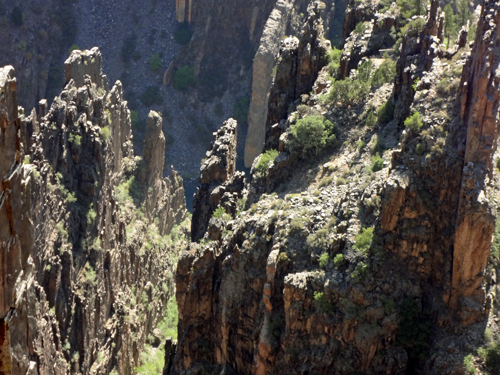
column 414, row 122
column 155, row 62
column 364, row 241
column 184, row 78
column 311, row 134
column 265, row 160
column 385, row 113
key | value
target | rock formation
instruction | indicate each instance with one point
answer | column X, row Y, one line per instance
column 339, row 266
column 299, row 63
column 480, row 100
column 263, row 64
column 220, row 183
column 84, row 252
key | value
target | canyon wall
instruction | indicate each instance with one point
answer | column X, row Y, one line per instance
column 86, row 253
column 336, row 264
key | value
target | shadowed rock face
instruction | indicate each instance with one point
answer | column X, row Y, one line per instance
column 76, row 217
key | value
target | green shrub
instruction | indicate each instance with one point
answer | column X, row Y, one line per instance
column 297, row 225
column 319, row 239
column 265, row 160
column 384, row 74
column 469, row 365
column 90, row 275
column 349, row 91
column 414, row 122
column 155, row 62
column 377, row 163
column 360, row 28
column 73, row 48
column 386, row 112
column 371, row 119
column 91, row 216
column 364, row 241
column 491, row 355
column 322, row 303
column 413, row 28
column 106, row 133
column 334, row 56
column 62, row 231
column 311, row 134
column 75, row 139
column 219, row 212
column 151, row 96
column 326, row 181
column 184, row 78
column 323, row 260
column 240, row 109
column 359, row 271
column 419, row 149
column 338, row 260
column 495, row 244
column 17, row 16
column 183, row 33
column 360, row 145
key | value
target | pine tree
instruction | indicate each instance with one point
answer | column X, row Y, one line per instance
column 463, row 12
column 449, row 23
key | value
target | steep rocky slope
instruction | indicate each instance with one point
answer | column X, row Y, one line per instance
column 361, row 246
column 87, row 256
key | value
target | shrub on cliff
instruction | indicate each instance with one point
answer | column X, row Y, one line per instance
column 311, row 134
column 155, row 62
column 354, row 90
column 384, row 74
column 184, row 78
column 360, row 28
column 183, row 33
column 414, row 122
column 377, row 163
column 364, row 241
column 265, row 160
column 334, row 61
column 386, row 112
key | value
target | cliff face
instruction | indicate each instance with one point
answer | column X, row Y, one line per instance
column 85, row 228
column 367, row 257
column 301, row 60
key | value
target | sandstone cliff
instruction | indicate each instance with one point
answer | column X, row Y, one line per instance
column 86, row 249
